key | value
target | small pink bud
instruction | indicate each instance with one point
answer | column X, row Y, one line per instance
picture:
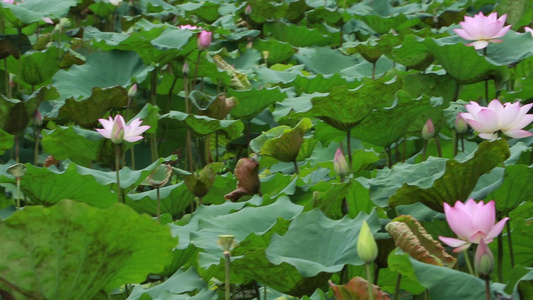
column 204, row 40
column 340, row 164
column 461, row 126
column 428, row 131
column 484, row 259
column 185, row 69
column 248, row 10
column 37, row 118
column 132, row 91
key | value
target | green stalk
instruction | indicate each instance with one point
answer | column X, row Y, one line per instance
column 468, row 263
column 439, row 148
column 500, row 258
column 153, row 95
column 117, row 169
column 188, row 131
column 18, row 193
column 510, row 242
column 487, row 288
column 397, row 287
column 424, row 150
column 227, row 269
column 349, row 148
column 158, row 206
column 368, row 267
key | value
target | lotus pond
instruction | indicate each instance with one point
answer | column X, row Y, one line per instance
column 310, row 149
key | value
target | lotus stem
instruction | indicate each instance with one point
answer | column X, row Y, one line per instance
column 368, row 267
column 468, row 263
column 424, row 150
column 195, row 77
column 227, row 270
column 439, row 148
column 374, row 70
column 188, row 131
column 487, row 288
column 153, row 101
column 17, row 149
column 486, row 80
column 510, row 242
column 397, row 287
column 248, row 135
column 158, row 206
column 349, row 148
column 117, row 169
column 455, row 143
column 296, row 169
column 18, row 193
column 36, row 148
column 500, row 258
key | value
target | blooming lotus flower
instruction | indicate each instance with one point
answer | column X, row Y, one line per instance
column 527, row 29
column 508, row 118
column 472, row 222
column 483, row 29
column 204, row 40
column 9, row 1
column 117, row 130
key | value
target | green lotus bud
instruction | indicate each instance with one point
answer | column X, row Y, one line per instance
column 484, row 259
column 367, row 249
column 428, row 131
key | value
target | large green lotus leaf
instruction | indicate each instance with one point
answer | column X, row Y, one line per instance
column 174, row 200
column 325, row 60
column 398, row 262
column 102, row 70
column 28, row 12
column 86, row 112
column 263, row 10
column 81, row 250
column 278, row 184
column 129, row 179
column 253, row 102
column 463, row 63
column 154, row 43
column 79, row 145
column 179, row 286
column 438, row 281
column 370, row 50
column 412, row 53
column 514, row 189
column 384, row 126
column 36, row 67
column 518, row 274
column 278, row 51
column 322, row 13
column 321, row 83
column 299, row 36
column 13, row 44
column 217, row 69
column 48, row 186
column 430, row 84
column 6, row 141
column 202, row 125
column 207, row 11
column 383, row 25
column 344, row 108
column 515, row 48
column 15, row 114
column 286, row 145
column 311, row 237
column 437, row 181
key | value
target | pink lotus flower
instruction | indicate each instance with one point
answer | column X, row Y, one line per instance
column 117, row 130
column 340, row 165
column 508, row 118
column 204, row 40
column 483, row 29
column 428, row 131
column 472, row 222
column 189, row 27
column 527, row 29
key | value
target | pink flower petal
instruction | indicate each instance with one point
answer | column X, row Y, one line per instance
column 460, row 222
column 489, row 120
column 479, row 44
column 518, row 133
column 497, row 229
column 462, row 33
column 489, row 136
column 452, row 242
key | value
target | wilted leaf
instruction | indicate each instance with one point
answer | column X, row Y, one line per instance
column 357, row 289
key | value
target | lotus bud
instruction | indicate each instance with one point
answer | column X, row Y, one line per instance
column 484, row 259
column 428, row 131
column 461, row 126
column 132, row 91
column 37, row 118
column 367, row 248
column 248, row 10
column 64, row 23
column 340, row 165
column 226, row 241
column 265, row 54
column 185, row 69
column 204, row 40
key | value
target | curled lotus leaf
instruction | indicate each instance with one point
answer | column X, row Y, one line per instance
column 410, row 236
column 200, row 184
column 357, row 289
column 247, row 173
column 160, row 176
